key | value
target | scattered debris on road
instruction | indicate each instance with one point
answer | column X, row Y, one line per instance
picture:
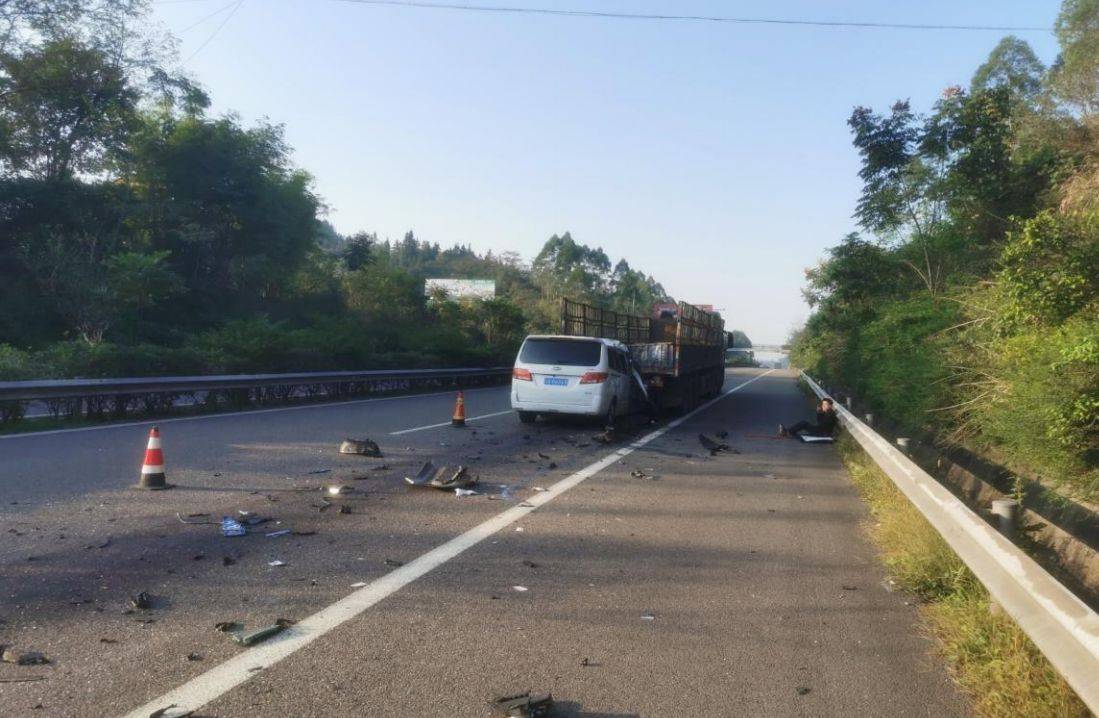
column 228, row 626
column 715, row 447
column 804, row 690
column 361, row 447
column 228, row 560
column 523, row 705
column 338, row 489
column 442, row 477
column 465, row 492
column 276, row 563
column 530, row 564
column 191, row 519
column 142, row 601
column 22, row 658
column 194, row 656
column 648, row 617
column 276, row 534
column 262, row 634
column 520, row 589
column 393, row 562
column 231, row 527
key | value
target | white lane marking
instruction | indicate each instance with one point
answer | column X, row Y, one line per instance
column 157, row 422
column 447, row 423
column 217, row 681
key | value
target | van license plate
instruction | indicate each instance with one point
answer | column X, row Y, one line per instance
column 555, row 381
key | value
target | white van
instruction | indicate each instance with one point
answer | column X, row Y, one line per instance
column 572, row 375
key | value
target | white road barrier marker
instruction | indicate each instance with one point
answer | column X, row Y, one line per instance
column 448, row 423
column 221, row 679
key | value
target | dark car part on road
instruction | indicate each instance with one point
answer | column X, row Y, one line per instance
column 442, row 477
column 524, row 705
column 361, row 447
column 27, row 658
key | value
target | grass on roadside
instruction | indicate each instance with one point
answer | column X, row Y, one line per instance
column 987, row 654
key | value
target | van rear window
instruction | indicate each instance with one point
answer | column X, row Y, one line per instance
column 561, row 352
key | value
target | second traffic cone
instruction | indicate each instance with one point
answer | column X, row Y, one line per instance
column 152, row 469
column 459, row 411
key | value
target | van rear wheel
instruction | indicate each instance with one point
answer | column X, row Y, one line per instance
column 527, row 417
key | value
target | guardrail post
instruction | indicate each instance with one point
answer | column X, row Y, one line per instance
column 869, row 419
column 1005, row 510
column 903, row 443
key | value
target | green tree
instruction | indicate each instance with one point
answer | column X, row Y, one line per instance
column 1075, row 75
column 1012, row 65
column 64, row 108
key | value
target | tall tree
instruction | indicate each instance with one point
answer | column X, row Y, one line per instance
column 1012, row 64
column 64, row 109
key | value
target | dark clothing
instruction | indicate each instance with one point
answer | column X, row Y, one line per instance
column 825, row 426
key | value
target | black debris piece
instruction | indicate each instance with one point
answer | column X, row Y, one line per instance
column 194, row 656
column 605, row 438
column 715, row 447
column 228, row 626
column 803, row 690
column 442, row 477
column 344, row 509
column 227, row 560
column 393, row 562
column 524, row 705
column 142, row 601
column 108, row 641
column 542, row 456
column 22, row 658
column 530, row 564
column 552, row 465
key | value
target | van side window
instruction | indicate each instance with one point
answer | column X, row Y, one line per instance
column 618, row 361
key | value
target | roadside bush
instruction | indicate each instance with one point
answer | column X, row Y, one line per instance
column 79, row 359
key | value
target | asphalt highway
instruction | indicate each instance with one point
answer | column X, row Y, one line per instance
column 640, row 578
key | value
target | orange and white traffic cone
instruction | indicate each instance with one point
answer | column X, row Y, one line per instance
column 152, row 470
column 459, row 418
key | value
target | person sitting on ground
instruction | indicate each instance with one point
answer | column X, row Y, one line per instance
column 825, row 426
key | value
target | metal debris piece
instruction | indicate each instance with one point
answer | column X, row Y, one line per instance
column 276, row 534
column 360, row 584
column 232, row 527
column 524, row 705
column 142, row 601
column 442, row 477
column 228, row 626
column 262, row 634
column 393, row 562
column 276, row 563
column 361, row 447
column 338, row 489
column 190, row 522
column 464, row 492
column 314, row 472
column 648, row 617
column 639, row 474
column 520, row 589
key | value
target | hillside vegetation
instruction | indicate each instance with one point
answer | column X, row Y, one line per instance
column 968, row 306
column 140, row 235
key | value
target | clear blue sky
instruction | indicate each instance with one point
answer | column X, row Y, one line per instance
column 713, row 156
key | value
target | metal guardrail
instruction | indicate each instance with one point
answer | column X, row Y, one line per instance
column 100, row 398
column 72, row 388
column 1063, row 627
